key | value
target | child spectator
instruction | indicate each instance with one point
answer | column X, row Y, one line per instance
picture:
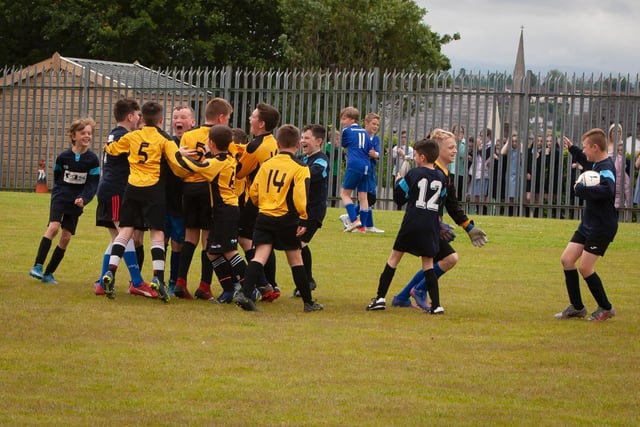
column 279, row 191
column 597, row 229
column 75, row 181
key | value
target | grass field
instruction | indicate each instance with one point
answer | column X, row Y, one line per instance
column 497, row 357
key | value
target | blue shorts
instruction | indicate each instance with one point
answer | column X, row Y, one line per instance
column 174, row 228
column 355, row 180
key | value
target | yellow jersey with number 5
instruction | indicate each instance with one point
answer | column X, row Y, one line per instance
column 146, row 147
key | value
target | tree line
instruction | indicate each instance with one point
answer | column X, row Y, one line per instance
column 340, row 34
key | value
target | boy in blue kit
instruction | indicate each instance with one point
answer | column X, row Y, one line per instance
column 422, row 189
column 75, row 181
column 279, row 190
column 318, row 163
column 596, row 231
column 357, row 144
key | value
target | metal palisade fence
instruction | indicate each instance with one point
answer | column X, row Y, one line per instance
column 532, row 175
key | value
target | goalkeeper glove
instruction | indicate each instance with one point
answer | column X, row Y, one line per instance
column 477, row 236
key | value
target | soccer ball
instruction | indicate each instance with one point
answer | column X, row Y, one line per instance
column 589, row 178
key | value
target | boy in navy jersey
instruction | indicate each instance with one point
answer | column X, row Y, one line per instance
column 318, row 163
column 422, row 189
column 596, row 231
column 75, row 181
column 357, row 143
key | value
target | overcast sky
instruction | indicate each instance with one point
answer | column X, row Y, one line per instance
column 574, row 36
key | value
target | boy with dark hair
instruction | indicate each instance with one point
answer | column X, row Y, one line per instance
column 115, row 170
column 355, row 140
column 318, row 163
column 144, row 199
column 596, row 231
column 196, row 202
column 447, row 257
column 222, row 238
column 75, row 181
column 279, row 190
column 423, row 190
column 263, row 146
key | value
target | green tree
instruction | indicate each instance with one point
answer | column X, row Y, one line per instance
column 207, row 33
column 360, row 34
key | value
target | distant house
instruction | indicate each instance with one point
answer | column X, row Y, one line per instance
column 38, row 103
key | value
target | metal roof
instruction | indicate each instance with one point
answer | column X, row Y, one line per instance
column 132, row 75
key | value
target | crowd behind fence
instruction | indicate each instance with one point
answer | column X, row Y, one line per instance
column 511, row 160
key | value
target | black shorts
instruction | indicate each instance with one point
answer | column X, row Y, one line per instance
column 247, row 221
column 108, row 211
column 417, row 240
column 223, row 233
column 445, row 250
column 143, row 207
column 277, row 231
column 312, row 228
column 593, row 246
column 196, row 205
column 68, row 220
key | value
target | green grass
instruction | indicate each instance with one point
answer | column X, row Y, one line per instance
column 497, row 357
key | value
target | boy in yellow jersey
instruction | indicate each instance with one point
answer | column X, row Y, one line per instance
column 143, row 203
column 263, row 146
column 222, row 241
column 196, row 202
column 279, row 191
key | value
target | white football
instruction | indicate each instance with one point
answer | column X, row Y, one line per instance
column 589, row 178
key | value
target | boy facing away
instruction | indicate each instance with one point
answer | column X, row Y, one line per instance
column 222, row 238
column 596, row 231
column 115, row 170
column 357, row 143
column 75, row 181
column 423, row 190
column 196, row 203
column 144, row 198
column 279, row 191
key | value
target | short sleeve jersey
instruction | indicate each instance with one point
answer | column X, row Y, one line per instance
column 356, row 141
column 318, row 164
column 196, row 139
column 146, row 147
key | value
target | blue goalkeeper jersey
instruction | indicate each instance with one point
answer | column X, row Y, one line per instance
column 357, row 143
